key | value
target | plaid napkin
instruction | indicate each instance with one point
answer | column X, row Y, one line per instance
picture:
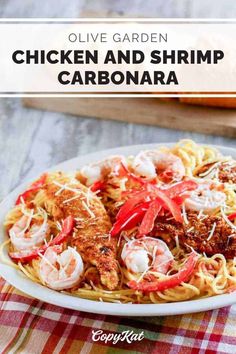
column 31, row 326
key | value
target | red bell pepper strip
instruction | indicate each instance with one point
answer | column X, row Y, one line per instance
column 169, row 199
column 171, row 205
column 33, row 188
column 131, row 219
column 232, row 216
column 67, row 227
column 161, row 199
column 180, row 199
column 170, row 282
column 153, row 191
column 131, row 203
column 180, row 188
column 22, row 256
column 98, row 185
column 152, row 213
column 147, row 223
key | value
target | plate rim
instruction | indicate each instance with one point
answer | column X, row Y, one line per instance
column 30, row 288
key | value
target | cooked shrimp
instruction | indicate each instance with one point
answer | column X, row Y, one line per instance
column 152, row 163
column 27, row 233
column 61, row 270
column 205, row 198
column 99, row 170
column 147, row 253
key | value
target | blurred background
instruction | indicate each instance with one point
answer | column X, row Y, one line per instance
column 147, row 8
column 34, row 139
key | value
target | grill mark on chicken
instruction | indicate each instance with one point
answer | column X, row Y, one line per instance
column 91, row 234
column 195, row 234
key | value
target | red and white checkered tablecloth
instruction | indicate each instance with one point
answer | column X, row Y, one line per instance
column 32, row 327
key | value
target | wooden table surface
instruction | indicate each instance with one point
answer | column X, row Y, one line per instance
column 32, row 140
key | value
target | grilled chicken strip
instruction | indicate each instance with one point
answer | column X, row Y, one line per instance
column 210, row 235
column 92, row 227
column 227, row 171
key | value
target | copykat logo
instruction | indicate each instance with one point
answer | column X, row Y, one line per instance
column 125, row 336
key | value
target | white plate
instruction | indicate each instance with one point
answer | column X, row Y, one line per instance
column 17, row 279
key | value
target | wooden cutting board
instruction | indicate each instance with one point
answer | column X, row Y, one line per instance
column 151, row 111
